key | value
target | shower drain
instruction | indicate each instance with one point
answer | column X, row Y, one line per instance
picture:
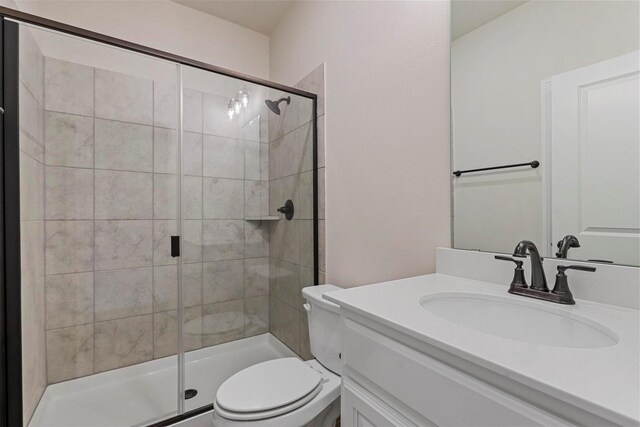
column 190, row 393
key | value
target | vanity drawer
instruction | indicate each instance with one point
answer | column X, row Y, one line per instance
column 441, row 394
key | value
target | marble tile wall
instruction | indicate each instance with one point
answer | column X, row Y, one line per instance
column 31, row 95
column 291, row 242
column 111, row 284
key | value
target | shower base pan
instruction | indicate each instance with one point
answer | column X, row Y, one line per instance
column 141, row 394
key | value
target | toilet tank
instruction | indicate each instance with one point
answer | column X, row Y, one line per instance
column 325, row 332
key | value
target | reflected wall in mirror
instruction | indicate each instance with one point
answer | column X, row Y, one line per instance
column 554, row 82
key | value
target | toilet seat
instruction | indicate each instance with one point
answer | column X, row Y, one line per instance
column 268, row 389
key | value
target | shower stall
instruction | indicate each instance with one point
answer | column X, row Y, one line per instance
column 159, row 223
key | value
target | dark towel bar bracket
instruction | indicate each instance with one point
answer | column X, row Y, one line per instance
column 534, row 164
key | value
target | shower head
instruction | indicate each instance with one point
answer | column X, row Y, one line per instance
column 275, row 105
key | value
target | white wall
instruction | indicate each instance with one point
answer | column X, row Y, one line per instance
column 497, row 71
column 163, row 25
column 387, row 129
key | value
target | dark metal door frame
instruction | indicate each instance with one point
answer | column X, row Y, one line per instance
column 10, row 272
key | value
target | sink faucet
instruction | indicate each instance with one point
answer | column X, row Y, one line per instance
column 539, row 290
column 538, row 280
column 569, row 241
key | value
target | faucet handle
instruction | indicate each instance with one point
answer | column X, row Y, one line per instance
column 562, row 268
column 518, row 280
column 561, row 287
column 508, row 258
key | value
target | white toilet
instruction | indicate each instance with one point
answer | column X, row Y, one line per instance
column 288, row 392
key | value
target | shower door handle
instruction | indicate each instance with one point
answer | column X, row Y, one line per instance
column 175, row 246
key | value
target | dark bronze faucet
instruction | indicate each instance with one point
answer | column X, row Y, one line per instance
column 538, row 289
column 538, row 280
column 569, row 241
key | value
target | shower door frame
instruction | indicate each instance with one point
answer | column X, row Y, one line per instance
column 10, row 271
column 10, row 267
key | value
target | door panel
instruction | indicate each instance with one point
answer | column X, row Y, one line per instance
column 595, row 151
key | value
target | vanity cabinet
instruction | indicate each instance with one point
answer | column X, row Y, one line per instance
column 388, row 383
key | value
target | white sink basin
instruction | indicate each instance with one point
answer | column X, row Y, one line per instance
column 519, row 319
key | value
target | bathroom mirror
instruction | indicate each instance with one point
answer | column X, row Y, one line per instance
column 545, row 101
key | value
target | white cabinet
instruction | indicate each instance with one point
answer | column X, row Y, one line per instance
column 387, row 383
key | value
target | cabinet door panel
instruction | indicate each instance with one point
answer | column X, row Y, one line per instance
column 361, row 409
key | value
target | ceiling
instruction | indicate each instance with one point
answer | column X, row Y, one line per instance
column 263, row 15
column 467, row 15
column 257, row 15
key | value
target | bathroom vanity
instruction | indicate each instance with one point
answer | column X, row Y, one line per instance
column 449, row 349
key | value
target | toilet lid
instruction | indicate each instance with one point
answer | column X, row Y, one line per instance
column 268, row 385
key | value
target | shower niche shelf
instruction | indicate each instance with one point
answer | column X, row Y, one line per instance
column 263, row 218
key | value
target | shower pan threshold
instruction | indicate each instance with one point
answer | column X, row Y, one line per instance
column 139, row 394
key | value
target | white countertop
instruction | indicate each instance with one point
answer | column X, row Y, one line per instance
column 604, row 381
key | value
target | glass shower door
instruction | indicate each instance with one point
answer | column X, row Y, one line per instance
column 98, row 187
column 244, row 262
column 222, row 186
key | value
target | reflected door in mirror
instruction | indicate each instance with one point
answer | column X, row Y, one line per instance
column 595, row 159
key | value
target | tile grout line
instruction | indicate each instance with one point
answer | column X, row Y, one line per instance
column 153, row 215
column 157, row 265
column 44, row 225
column 106, row 119
column 202, row 216
column 93, row 234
